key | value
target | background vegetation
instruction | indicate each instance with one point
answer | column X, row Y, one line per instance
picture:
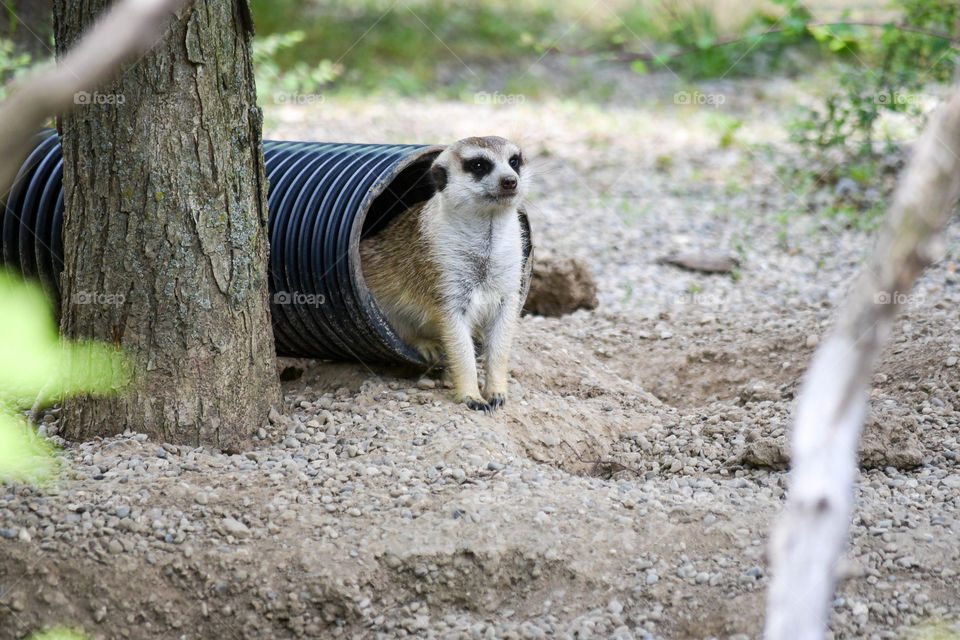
column 875, row 69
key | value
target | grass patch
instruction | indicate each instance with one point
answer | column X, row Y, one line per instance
column 444, row 48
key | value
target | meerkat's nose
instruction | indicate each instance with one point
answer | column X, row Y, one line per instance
column 508, row 182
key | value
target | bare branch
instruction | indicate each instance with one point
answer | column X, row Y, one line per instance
column 129, row 28
column 811, row 532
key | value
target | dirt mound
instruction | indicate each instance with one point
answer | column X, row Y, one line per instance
column 560, row 286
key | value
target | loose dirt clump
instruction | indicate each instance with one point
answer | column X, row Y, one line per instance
column 560, row 286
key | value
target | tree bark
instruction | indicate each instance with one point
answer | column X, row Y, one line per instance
column 165, row 232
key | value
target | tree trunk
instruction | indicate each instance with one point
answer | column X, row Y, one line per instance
column 165, row 232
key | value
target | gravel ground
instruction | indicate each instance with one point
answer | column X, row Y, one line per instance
column 627, row 489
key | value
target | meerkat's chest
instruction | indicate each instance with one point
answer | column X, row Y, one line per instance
column 483, row 265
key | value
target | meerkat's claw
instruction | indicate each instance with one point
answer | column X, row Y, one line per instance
column 478, row 405
column 497, row 400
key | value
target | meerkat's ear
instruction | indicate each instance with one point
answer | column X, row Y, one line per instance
column 438, row 176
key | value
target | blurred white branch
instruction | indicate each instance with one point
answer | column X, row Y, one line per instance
column 129, row 28
column 811, row 533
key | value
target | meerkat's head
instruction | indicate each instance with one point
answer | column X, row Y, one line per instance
column 481, row 174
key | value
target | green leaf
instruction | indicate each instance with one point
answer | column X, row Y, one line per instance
column 59, row 633
column 35, row 365
column 819, row 32
column 23, row 455
column 639, row 66
column 836, row 44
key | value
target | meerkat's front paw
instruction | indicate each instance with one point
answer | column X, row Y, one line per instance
column 477, row 404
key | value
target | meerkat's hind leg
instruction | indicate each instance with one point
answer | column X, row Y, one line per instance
column 430, row 350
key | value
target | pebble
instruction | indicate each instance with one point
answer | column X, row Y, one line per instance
column 236, row 528
column 846, row 187
column 615, row 607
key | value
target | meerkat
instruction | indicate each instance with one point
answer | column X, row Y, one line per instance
column 447, row 272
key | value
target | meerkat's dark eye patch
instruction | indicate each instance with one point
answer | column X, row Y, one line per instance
column 516, row 161
column 478, row 166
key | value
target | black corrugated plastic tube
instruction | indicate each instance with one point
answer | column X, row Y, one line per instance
column 323, row 198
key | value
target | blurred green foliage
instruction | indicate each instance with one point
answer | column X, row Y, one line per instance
column 36, row 369
column 888, row 77
column 23, row 455
column 933, row 630
column 12, row 64
column 278, row 84
column 404, row 48
column 846, row 137
column 686, row 39
column 397, row 47
column 59, row 633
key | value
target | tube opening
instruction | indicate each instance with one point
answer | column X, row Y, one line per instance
column 410, row 186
